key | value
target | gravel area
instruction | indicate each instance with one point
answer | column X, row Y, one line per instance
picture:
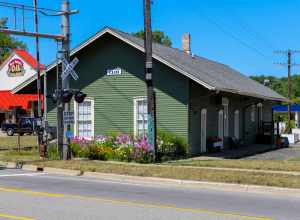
column 280, row 154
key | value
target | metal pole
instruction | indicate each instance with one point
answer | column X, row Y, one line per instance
column 66, row 83
column 149, row 79
column 38, row 71
column 289, row 90
column 59, row 108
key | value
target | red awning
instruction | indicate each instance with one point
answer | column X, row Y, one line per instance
column 9, row 101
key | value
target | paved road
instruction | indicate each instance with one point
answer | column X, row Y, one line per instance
column 280, row 154
column 25, row 196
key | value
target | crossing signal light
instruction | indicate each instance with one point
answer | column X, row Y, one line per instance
column 66, row 96
column 79, row 97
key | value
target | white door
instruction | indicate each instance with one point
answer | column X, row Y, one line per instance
column 221, row 124
column 237, row 124
column 203, row 130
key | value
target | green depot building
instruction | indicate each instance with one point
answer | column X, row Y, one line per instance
column 196, row 98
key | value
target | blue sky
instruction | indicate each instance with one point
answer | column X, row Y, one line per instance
column 242, row 34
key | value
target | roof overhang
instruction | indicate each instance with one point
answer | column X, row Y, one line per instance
column 155, row 56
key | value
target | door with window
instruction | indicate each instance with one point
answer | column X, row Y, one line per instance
column 140, row 116
column 84, row 118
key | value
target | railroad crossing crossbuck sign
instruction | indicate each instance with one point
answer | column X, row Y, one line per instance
column 69, row 69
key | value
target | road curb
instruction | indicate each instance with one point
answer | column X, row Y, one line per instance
column 229, row 187
column 59, row 171
column 30, row 168
column 157, row 181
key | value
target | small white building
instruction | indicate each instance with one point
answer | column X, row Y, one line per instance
column 15, row 70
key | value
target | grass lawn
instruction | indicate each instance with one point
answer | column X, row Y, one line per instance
column 7, row 142
column 278, row 165
column 178, row 172
column 13, row 156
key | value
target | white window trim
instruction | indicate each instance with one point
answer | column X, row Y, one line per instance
column 135, row 101
column 76, row 116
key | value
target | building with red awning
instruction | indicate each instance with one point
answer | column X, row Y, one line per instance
column 15, row 70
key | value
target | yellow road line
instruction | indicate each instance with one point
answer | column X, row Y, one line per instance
column 14, row 217
column 136, row 204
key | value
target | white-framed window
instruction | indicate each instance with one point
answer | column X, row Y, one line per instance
column 140, row 112
column 84, row 118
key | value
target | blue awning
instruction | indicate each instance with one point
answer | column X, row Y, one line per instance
column 284, row 108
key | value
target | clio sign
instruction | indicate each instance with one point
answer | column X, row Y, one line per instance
column 114, row 72
column 15, row 68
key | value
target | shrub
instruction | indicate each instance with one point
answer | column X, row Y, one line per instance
column 124, row 153
column 170, row 145
column 52, row 152
column 98, row 152
column 79, row 147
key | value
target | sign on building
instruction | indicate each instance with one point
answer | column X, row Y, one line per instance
column 15, row 68
column 68, row 118
column 114, row 72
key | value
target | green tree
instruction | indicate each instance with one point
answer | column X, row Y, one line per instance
column 280, row 85
column 8, row 43
column 157, row 36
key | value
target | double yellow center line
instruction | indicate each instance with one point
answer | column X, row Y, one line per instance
column 129, row 203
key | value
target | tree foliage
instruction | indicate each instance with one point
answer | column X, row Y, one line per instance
column 157, row 36
column 8, row 43
column 280, row 85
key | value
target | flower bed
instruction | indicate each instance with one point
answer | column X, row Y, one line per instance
column 124, row 147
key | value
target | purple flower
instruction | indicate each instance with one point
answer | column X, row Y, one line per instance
column 143, row 144
column 123, row 139
column 101, row 138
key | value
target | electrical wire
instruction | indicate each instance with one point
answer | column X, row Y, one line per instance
column 26, row 7
column 234, row 37
column 248, row 28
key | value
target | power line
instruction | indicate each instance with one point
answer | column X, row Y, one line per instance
column 248, row 28
column 26, row 7
column 234, row 37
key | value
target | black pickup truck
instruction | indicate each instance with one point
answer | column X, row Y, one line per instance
column 25, row 126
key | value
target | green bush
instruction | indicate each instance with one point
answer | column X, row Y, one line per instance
column 78, row 150
column 124, row 153
column 170, row 145
column 99, row 152
column 52, row 152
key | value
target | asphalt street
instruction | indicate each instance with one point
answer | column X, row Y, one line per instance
column 30, row 195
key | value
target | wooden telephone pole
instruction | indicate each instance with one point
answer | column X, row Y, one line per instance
column 289, row 65
column 149, row 78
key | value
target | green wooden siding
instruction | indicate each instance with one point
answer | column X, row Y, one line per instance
column 113, row 95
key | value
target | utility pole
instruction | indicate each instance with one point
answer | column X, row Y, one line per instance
column 65, row 107
column 289, row 90
column 149, row 79
column 289, row 64
column 66, row 82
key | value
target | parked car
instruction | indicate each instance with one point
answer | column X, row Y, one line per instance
column 26, row 126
